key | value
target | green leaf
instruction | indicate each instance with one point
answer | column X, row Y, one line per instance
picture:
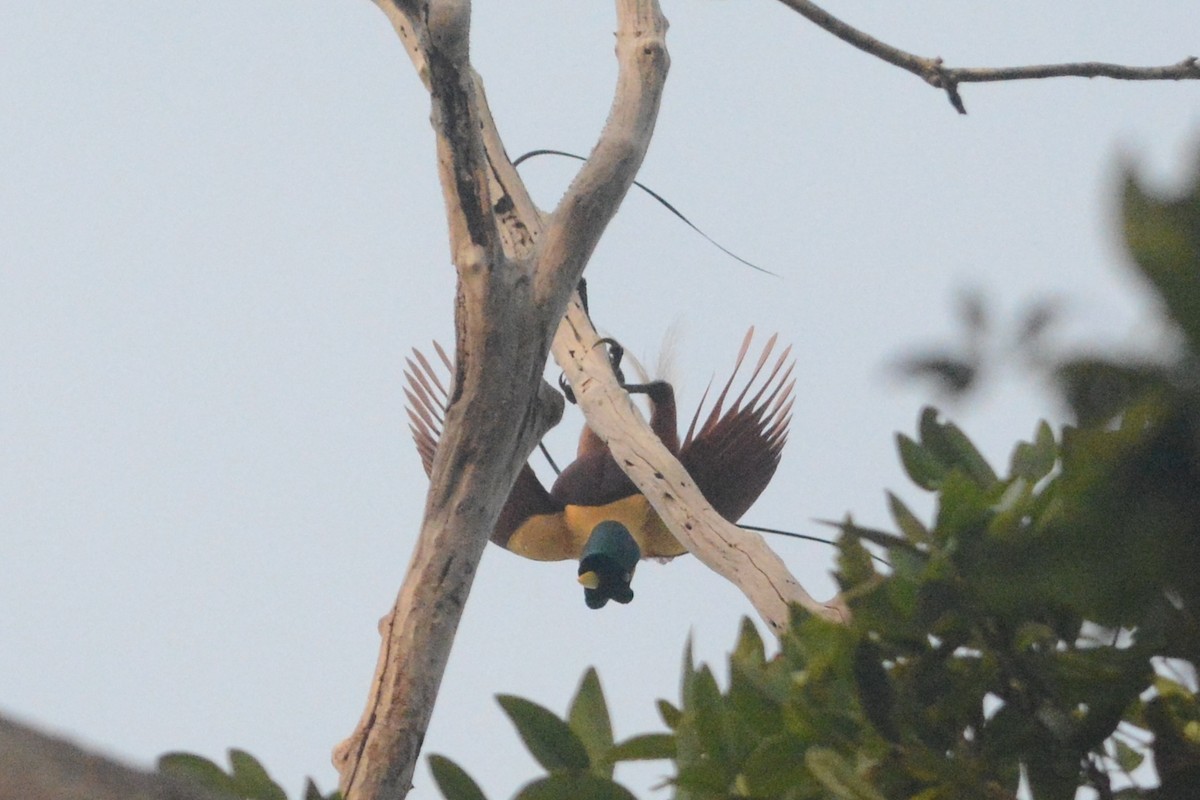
column 1012, row 509
column 670, row 714
column 453, row 781
column 1033, row 461
column 963, row 508
column 588, row 717
column 703, row 779
column 920, row 465
column 854, row 562
column 873, row 535
column 875, row 692
column 907, row 521
column 1169, row 687
column 776, row 767
column 949, row 445
column 549, row 739
column 749, row 649
column 196, row 769
column 836, row 775
column 1128, row 758
column 1163, row 236
column 250, row 778
column 574, row 786
column 311, row 792
column 756, row 697
column 704, row 702
column 689, row 669
column 645, row 747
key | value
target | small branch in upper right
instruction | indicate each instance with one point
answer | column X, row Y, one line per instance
column 936, row 74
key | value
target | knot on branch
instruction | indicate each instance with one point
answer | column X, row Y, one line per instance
column 933, row 72
column 937, row 75
column 645, row 47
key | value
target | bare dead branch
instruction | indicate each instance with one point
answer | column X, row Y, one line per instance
column 466, row 492
column 499, row 404
column 462, row 161
column 938, row 75
column 399, row 13
column 598, row 188
column 740, row 556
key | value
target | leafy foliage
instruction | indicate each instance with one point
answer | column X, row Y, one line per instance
column 578, row 753
column 1042, row 626
column 246, row 779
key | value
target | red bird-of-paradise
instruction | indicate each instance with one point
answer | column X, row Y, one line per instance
column 593, row 512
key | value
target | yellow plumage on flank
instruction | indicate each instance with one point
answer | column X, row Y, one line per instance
column 556, row 537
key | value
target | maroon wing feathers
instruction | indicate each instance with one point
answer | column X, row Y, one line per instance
column 734, row 454
column 732, row 457
column 427, row 400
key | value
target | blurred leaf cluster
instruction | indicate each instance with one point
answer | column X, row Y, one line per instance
column 246, row 779
column 1040, row 630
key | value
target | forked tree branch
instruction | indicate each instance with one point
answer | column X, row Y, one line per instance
column 594, row 195
column 516, row 269
column 938, row 75
column 740, row 556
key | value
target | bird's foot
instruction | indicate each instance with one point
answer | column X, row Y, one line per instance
column 616, row 352
column 566, row 389
column 658, row 391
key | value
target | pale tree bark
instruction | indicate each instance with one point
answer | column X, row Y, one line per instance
column 516, row 268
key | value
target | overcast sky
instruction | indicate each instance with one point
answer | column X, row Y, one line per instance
column 221, row 232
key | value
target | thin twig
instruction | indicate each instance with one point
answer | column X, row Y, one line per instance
column 936, row 74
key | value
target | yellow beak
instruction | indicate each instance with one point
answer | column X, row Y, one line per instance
column 590, row 580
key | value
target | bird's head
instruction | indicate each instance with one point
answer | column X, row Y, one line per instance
column 607, row 563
